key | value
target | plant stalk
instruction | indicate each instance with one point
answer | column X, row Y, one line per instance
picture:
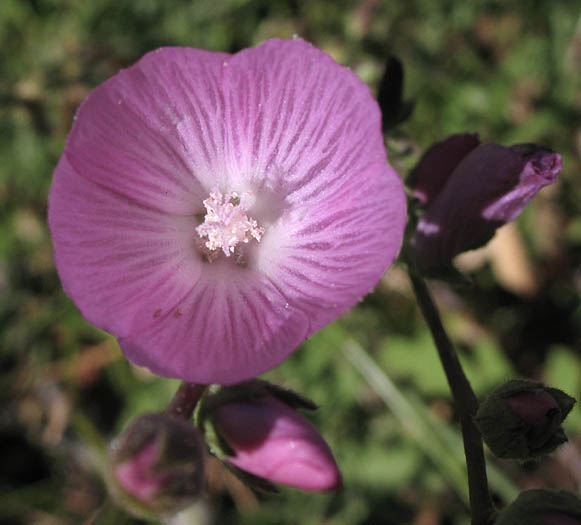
column 185, row 400
column 481, row 506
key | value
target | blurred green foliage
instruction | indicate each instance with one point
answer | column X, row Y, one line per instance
column 508, row 70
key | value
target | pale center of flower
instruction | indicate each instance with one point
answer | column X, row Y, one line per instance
column 226, row 223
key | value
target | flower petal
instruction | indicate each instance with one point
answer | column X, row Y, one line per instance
column 310, row 131
column 151, row 133
column 325, row 264
column 298, row 122
column 115, row 255
column 231, row 325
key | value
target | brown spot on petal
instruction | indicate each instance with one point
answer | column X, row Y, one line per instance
column 157, row 313
column 177, row 313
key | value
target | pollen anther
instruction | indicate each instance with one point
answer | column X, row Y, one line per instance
column 226, row 224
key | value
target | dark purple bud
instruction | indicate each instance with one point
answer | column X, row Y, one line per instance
column 542, row 507
column 489, row 187
column 157, row 465
column 260, row 432
column 437, row 164
column 522, row 419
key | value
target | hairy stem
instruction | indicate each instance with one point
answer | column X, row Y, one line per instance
column 466, row 406
column 185, row 400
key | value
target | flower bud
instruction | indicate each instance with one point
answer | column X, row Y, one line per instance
column 157, row 465
column 437, row 164
column 542, row 507
column 488, row 187
column 262, row 434
column 522, row 419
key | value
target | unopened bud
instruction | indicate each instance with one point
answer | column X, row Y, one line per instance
column 157, row 465
column 471, row 196
column 437, row 164
column 262, row 434
column 522, row 419
column 542, row 507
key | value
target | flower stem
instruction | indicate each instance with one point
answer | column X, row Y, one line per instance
column 185, row 400
column 466, row 406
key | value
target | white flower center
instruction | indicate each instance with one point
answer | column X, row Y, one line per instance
column 226, row 224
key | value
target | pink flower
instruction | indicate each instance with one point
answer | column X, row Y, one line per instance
column 213, row 210
column 470, row 190
column 273, row 441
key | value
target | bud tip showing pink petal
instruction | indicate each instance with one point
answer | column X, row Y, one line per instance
column 157, row 465
column 533, row 407
column 273, row 441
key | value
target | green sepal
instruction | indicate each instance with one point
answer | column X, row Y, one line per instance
column 532, row 507
column 290, row 397
column 254, row 482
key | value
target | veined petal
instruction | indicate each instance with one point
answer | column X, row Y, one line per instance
column 153, row 132
column 298, row 122
column 327, row 263
column 230, row 325
column 115, row 255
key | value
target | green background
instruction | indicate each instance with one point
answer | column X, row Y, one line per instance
column 509, row 70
